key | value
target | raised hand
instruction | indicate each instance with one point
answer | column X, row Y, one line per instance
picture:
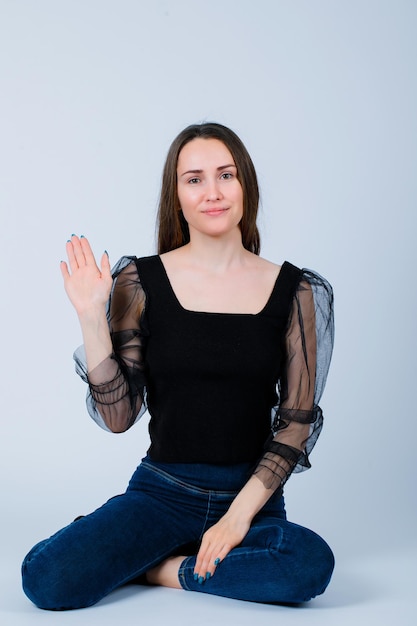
column 87, row 285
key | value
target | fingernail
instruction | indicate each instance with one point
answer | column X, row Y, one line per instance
column 208, row 575
column 217, row 561
column 200, row 580
column 82, row 237
column 105, row 252
column 195, row 576
column 73, row 235
column 68, row 240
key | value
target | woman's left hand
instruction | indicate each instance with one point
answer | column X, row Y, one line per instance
column 217, row 542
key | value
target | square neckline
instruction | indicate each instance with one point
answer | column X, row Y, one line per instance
column 219, row 313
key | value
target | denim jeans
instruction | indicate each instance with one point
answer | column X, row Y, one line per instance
column 165, row 511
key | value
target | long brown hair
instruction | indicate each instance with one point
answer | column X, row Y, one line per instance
column 173, row 231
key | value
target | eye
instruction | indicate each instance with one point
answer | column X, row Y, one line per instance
column 226, row 175
column 193, row 181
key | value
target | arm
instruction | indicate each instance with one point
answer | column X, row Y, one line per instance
column 298, row 419
column 110, row 360
column 295, row 414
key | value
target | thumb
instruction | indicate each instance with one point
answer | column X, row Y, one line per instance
column 105, row 264
column 64, row 270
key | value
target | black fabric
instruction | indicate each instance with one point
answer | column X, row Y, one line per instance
column 221, row 388
column 207, row 377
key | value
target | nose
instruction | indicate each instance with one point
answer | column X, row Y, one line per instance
column 213, row 191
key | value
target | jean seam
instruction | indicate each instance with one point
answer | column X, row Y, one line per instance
column 181, row 574
column 184, row 485
column 207, row 516
column 232, row 554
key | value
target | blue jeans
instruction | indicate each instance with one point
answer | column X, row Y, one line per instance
column 165, row 511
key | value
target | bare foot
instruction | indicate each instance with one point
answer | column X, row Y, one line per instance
column 166, row 573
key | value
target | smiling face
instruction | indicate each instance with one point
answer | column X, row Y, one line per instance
column 209, row 192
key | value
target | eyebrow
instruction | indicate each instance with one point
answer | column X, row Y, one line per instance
column 219, row 169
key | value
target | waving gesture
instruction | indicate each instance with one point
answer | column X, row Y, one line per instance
column 87, row 286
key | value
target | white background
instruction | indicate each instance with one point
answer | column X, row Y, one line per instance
column 323, row 94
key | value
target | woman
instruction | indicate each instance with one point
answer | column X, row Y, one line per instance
column 213, row 340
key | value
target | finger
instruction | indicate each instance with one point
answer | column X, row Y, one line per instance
column 221, row 555
column 199, row 562
column 216, row 557
column 202, row 560
column 87, row 251
column 71, row 255
column 78, row 251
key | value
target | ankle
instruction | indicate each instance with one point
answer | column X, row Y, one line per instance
column 166, row 573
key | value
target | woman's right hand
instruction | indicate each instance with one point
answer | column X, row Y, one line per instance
column 88, row 286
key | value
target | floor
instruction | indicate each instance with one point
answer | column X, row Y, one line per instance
column 374, row 590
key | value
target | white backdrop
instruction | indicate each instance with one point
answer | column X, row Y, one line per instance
column 323, row 93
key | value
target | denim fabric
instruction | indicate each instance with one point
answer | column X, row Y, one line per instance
column 165, row 511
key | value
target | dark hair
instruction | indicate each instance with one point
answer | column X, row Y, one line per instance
column 173, row 230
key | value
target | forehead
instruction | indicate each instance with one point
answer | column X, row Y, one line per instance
column 202, row 153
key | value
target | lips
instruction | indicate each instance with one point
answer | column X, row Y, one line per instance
column 215, row 211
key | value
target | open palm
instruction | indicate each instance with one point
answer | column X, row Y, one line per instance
column 87, row 286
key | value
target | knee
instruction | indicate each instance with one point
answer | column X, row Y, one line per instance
column 303, row 567
column 299, row 564
column 47, row 583
column 314, row 569
column 327, row 563
column 35, row 583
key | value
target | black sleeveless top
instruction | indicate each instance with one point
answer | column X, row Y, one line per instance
column 211, row 377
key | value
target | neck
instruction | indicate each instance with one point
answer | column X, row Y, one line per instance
column 216, row 253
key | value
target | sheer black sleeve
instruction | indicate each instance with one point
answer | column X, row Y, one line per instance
column 116, row 396
column 297, row 419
